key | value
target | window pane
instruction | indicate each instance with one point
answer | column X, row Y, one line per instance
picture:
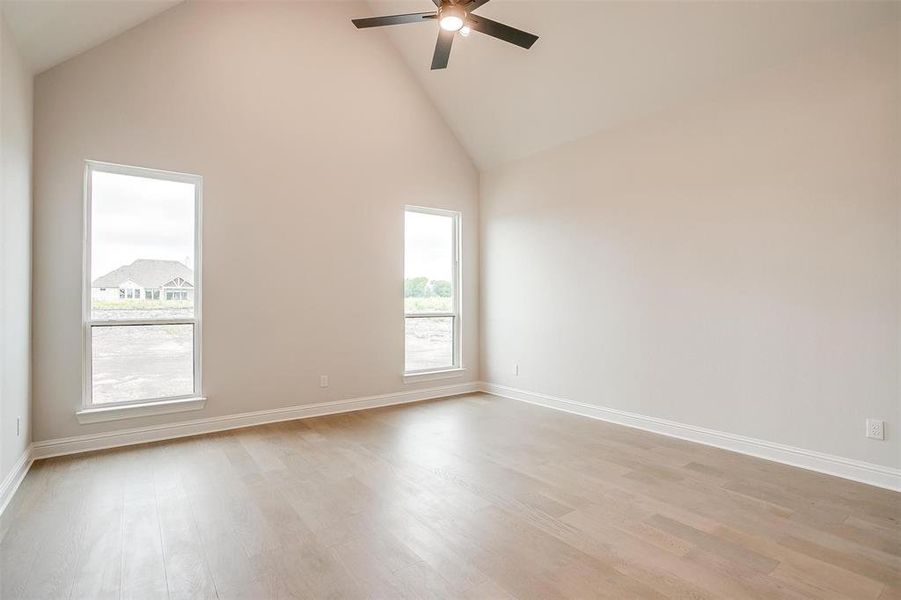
column 428, row 263
column 142, row 237
column 141, row 362
column 429, row 343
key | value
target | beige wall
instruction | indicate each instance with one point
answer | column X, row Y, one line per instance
column 311, row 137
column 15, row 251
column 730, row 264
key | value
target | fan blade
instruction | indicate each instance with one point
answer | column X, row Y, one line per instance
column 442, row 49
column 474, row 5
column 501, row 31
column 394, row 19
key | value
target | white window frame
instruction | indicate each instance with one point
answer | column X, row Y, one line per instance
column 105, row 411
column 456, row 295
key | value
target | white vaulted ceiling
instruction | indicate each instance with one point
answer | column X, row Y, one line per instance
column 50, row 31
column 599, row 64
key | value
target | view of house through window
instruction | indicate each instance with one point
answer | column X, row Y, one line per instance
column 142, row 327
column 431, row 294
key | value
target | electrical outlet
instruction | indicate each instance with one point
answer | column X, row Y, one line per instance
column 516, row 368
column 323, row 381
column 876, row 429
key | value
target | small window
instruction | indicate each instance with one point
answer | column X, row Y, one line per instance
column 142, row 227
column 431, row 290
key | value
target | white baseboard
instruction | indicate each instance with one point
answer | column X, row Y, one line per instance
column 877, row 475
column 155, row 433
column 872, row 474
column 14, row 478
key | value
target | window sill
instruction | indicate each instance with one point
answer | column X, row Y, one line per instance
column 434, row 375
column 99, row 414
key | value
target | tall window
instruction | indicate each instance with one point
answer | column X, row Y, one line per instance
column 431, row 290
column 141, row 235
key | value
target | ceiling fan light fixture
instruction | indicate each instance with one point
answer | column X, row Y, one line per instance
column 450, row 18
column 453, row 16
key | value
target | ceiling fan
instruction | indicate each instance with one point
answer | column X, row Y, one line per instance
column 454, row 16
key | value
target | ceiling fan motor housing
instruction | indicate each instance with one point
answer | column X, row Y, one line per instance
column 451, row 17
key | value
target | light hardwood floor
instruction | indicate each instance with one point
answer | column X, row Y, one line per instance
column 469, row 497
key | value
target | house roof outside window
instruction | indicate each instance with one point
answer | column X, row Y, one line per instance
column 147, row 273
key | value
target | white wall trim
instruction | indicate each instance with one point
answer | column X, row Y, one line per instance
column 15, row 477
column 435, row 375
column 855, row 470
column 99, row 414
column 155, row 433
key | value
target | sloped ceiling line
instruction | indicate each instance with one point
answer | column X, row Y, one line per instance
column 595, row 66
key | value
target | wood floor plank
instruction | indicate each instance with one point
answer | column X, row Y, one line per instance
column 98, row 573
column 469, row 497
